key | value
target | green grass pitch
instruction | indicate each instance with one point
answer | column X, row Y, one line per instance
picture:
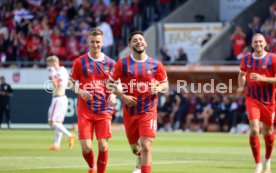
column 25, row 151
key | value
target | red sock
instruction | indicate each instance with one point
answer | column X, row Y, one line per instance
column 269, row 143
column 255, row 147
column 102, row 161
column 89, row 158
column 145, row 169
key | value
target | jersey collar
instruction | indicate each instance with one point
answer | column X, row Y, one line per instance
column 136, row 60
column 99, row 59
column 253, row 55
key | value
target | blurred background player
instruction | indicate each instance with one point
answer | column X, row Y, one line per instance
column 94, row 108
column 58, row 109
column 5, row 93
column 140, row 101
column 258, row 70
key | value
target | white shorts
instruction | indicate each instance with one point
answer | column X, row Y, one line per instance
column 58, row 109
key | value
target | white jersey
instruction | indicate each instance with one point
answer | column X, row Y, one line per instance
column 62, row 77
column 59, row 105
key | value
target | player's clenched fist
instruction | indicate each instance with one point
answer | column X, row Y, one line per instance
column 85, row 95
column 154, row 88
column 256, row 77
column 240, row 90
column 112, row 100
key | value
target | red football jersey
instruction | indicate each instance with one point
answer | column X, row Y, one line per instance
column 136, row 78
column 92, row 75
column 262, row 91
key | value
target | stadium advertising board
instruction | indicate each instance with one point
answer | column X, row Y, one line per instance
column 188, row 36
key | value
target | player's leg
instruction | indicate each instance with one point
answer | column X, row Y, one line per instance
column 88, row 154
column 103, row 133
column 86, row 130
column 1, row 115
column 255, row 143
column 8, row 117
column 267, row 117
column 269, row 143
column 147, row 131
column 136, row 150
column 146, row 143
column 254, row 113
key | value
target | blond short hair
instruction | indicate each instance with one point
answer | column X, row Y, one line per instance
column 53, row 58
column 95, row 32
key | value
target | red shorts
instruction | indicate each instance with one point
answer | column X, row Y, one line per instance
column 143, row 125
column 259, row 111
column 88, row 123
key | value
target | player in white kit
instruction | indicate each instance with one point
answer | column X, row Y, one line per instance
column 57, row 111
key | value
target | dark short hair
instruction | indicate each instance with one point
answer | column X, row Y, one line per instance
column 134, row 33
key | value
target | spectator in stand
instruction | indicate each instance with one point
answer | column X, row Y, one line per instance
column 164, row 55
column 238, row 39
column 244, row 52
column 254, row 27
column 34, row 48
column 267, row 27
column 59, row 50
column 272, row 10
column 181, row 57
column 271, row 41
column 72, row 48
column 108, row 35
column 206, row 39
column 165, row 7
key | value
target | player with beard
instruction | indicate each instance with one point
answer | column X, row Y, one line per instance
column 142, row 77
column 258, row 70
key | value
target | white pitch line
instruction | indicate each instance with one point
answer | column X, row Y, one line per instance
column 109, row 165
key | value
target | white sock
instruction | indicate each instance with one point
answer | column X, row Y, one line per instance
column 267, row 161
column 259, row 165
column 61, row 128
column 58, row 138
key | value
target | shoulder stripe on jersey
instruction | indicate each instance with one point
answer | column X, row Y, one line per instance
column 131, row 66
column 84, row 68
column 154, row 65
column 140, row 68
column 251, row 62
column 257, row 64
column 91, row 65
column 264, row 63
column 269, row 64
column 124, row 62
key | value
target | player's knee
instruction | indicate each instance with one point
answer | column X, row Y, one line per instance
column 267, row 131
column 135, row 149
column 86, row 149
column 146, row 146
column 102, row 144
column 254, row 132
